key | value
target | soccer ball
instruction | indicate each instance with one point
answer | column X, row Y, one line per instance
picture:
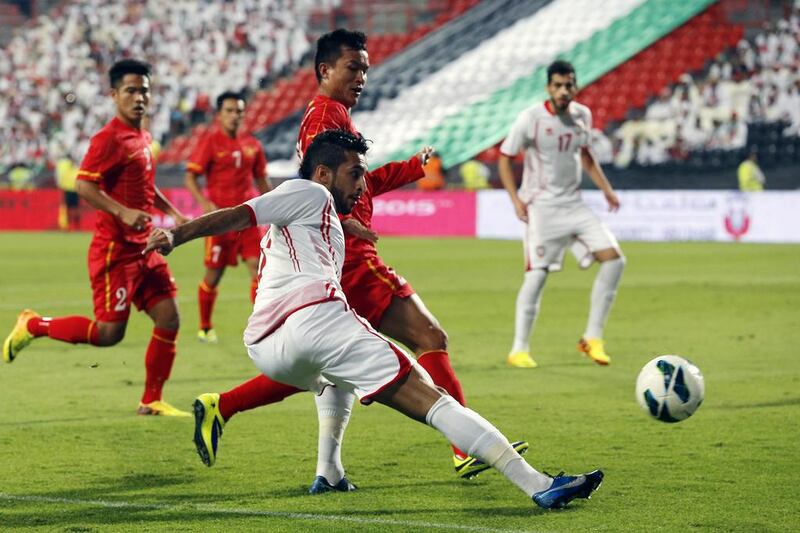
column 670, row 388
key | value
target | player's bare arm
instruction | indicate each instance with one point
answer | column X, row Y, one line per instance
column 191, row 182
column 263, row 185
column 97, row 198
column 165, row 206
column 221, row 221
column 506, row 172
column 597, row 175
column 354, row 227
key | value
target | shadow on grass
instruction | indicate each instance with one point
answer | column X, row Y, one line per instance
column 763, row 405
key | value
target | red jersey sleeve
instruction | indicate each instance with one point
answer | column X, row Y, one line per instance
column 103, row 155
column 201, row 156
column 393, row 175
column 260, row 163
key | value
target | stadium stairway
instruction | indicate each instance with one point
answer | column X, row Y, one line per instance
column 289, row 96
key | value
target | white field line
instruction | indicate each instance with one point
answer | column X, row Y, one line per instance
column 228, row 511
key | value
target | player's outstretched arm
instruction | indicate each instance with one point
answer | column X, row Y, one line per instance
column 221, row 221
column 596, row 174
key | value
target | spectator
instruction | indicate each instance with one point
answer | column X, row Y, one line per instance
column 751, row 178
column 434, row 178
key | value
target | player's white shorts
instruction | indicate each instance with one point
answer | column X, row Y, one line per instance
column 553, row 228
column 328, row 343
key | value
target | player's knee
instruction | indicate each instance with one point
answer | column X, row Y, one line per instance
column 171, row 321
column 435, row 339
column 109, row 334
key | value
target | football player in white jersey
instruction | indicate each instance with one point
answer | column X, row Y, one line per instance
column 554, row 136
column 303, row 333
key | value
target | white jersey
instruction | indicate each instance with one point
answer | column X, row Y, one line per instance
column 552, row 144
column 301, row 254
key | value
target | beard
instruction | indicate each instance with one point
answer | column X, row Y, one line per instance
column 342, row 207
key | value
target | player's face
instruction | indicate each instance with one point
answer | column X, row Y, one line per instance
column 231, row 115
column 345, row 80
column 347, row 184
column 562, row 89
column 132, row 97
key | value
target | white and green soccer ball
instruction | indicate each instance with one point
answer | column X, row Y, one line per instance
column 670, row 388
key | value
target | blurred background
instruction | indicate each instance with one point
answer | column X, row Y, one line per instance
column 696, row 95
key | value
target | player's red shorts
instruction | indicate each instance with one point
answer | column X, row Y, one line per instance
column 120, row 274
column 370, row 285
column 223, row 250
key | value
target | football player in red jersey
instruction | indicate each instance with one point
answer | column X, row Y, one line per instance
column 373, row 289
column 117, row 177
column 231, row 164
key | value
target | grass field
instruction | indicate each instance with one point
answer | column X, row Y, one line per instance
column 75, row 458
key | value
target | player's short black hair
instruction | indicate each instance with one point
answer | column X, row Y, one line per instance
column 559, row 66
column 127, row 66
column 229, row 95
column 329, row 46
column 330, row 148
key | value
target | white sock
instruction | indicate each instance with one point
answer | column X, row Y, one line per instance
column 475, row 435
column 603, row 293
column 528, row 298
column 333, row 409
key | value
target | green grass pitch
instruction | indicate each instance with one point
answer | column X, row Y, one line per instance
column 73, row 457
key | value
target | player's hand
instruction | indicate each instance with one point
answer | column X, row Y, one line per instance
column 522, row 210
column 613, row 201
column 357, row 229
column 160, row 240
column 135, row 218
column 424, row 155
column 209, row 206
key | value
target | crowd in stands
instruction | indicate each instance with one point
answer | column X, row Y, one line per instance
column 758, row 82
column 53, row 72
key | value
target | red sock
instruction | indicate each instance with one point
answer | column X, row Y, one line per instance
column 206, row 297
column 253, row 289
column 251, row 394
column 74, row 329
column 437, row 363
column 158, row 363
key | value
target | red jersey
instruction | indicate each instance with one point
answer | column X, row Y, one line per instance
column 230, row 166
column 120, row 161
column 323, row 114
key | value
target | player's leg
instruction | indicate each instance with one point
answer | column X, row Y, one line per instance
column 333, row 410
column 110, row 276
column 155, row 294
column 250, row 251
column 528, row 302
column 421, row 401
column 252, row 268
column 408, row 321
column 212, row 410
column 218, row 251
column 608, row 254
column 159, row 358
column 542, row 248
column 206, row 298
